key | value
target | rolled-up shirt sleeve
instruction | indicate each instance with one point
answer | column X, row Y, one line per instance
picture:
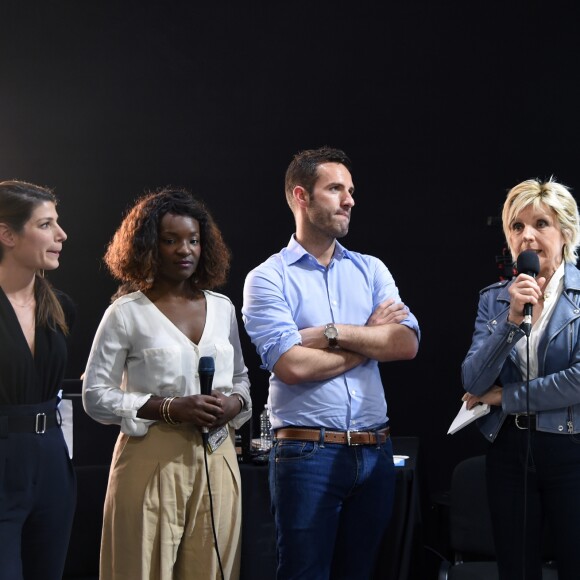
column 267, row 316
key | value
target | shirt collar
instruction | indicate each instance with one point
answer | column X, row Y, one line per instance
column 295, row 252
column 555, row 284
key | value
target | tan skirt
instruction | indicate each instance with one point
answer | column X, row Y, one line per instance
column 157, row 518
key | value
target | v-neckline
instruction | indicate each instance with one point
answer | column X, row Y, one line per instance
column 177, row 329
column 9, row 308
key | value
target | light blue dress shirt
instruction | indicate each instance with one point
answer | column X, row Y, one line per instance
column 291, row 291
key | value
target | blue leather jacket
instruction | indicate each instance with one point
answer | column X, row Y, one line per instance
column 492, row 360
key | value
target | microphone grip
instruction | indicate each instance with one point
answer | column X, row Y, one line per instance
column 527, row 323
column 206, row 371
column 205, row 380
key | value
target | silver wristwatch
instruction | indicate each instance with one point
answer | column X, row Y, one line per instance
column 331, row 334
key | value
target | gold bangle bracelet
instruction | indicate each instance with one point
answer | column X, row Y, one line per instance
column 164, row 407
column 163, row 416
column 169, row 419
column 161, row 408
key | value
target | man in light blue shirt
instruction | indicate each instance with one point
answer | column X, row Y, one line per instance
column 321, row 318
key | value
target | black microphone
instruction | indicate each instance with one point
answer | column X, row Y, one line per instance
column 528, row 263
column 206, row 370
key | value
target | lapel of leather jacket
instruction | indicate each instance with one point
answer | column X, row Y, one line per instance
column 566, row 310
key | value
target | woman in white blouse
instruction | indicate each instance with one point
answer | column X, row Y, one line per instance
column 142, row 374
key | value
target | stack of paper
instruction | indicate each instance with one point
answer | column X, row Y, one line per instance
column 465, row 417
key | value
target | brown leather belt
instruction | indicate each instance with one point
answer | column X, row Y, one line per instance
column 342, row 437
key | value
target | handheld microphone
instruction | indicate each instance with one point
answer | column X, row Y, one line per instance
column 528, row 263
column 206, row 370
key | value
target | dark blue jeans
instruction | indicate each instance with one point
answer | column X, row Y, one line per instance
column 332, row 504
column 553, row 501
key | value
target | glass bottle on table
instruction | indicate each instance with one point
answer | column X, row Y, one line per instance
column 265, row 430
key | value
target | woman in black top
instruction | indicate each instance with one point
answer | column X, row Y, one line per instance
column 37, row 484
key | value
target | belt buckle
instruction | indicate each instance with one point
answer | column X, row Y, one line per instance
column 349, row 441
column 517, row 423
column 40, row 427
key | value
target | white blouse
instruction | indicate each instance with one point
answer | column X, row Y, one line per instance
column 551, row 294
column 138, row 352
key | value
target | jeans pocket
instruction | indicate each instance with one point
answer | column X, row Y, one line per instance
column 386, row 450
column 287, row 450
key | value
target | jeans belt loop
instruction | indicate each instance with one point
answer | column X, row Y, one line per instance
column 321, row 436
column 40, row 425
column 377, row 437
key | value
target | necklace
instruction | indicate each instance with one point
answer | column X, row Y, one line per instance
column 546, row 294
column 26, row 304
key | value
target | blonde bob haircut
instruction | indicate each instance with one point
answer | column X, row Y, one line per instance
column 552, row 195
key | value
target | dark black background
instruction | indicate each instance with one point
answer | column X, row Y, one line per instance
column 442, row 107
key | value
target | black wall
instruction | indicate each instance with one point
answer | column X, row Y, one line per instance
column 442, row 106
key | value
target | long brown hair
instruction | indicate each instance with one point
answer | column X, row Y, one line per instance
column 18, row 199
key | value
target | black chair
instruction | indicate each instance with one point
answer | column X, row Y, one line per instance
column 470, row 533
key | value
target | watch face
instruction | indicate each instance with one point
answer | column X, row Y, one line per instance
column 330, row 332
column 331, row 335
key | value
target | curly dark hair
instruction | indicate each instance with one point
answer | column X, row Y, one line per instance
column 132, row 256
column 303, row 169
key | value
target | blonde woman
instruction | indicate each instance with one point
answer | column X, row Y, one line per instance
column 534, row 432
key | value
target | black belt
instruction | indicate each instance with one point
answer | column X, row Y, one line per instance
column 29, row 418
column 524, row 422
column 38, row 423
